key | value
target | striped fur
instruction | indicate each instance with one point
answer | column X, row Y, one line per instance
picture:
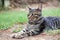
column 52, row 22
column 37, row 24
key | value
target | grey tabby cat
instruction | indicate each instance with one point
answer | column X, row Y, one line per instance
column 37, row 23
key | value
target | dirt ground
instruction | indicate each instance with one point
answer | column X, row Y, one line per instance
column 5, row 35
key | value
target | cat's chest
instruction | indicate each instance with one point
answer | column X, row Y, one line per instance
column 33, row 27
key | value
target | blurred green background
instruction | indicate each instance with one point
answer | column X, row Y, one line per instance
column 9, row 18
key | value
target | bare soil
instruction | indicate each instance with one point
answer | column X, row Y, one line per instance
column 5, row 35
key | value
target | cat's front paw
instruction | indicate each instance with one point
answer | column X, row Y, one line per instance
column 17, row 36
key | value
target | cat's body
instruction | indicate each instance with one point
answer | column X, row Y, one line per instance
column 52, row 23
column 37, row 24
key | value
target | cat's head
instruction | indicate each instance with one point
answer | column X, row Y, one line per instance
column 34, row 14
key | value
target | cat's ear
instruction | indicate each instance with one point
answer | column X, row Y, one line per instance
column 38, row 9
column 29, row 8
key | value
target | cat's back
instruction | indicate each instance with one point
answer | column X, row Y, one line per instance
column 52, row 21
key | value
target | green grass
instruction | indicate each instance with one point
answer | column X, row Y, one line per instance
column 52, row 32
column 8, row 18
column 51, row 12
